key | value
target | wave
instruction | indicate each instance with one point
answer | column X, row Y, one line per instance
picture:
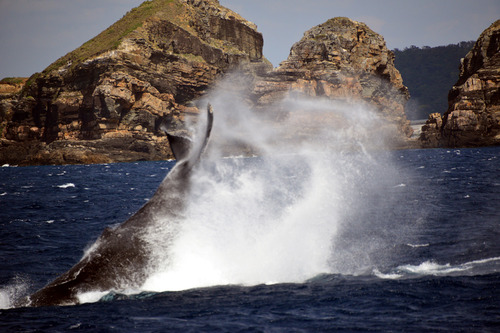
column 431, row 267
column 417, row 245
column 67, row 185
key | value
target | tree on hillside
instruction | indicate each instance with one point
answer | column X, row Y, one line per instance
column 429, row 73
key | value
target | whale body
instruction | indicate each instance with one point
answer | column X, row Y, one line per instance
column 119, row 257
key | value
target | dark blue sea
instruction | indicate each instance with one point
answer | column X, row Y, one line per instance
column 416, row 251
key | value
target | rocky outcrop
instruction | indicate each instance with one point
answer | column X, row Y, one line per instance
column 430, row 135
column 342, row 59
column 116, row 90
column 473, row 115
column 108, row 100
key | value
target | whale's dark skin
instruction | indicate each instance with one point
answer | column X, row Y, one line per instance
column 120, row 255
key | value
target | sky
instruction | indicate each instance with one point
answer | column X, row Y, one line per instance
column 35, row 33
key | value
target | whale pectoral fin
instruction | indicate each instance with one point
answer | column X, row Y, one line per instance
column 208, row 129
column 183, row 147
column 180, row 146
column 199, row 148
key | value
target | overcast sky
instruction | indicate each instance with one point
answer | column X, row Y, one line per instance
column 34, row 33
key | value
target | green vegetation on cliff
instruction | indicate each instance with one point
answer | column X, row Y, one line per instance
column 429, row 73
column 12, row 80
column 111, row 38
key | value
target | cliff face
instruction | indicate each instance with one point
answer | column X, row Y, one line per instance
column 473, row 115
column 342, row 59
column 107, row 100
column 109, row 97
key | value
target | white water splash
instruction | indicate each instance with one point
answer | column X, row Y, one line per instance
column 12, row 292
column 276, row 218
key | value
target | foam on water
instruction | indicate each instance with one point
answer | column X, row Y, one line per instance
column 431, row 267
column 473, row 267
column 91, row 297
column 67, row 185
column 12, row 292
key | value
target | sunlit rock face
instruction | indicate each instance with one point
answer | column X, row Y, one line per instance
column 109, row 100
column 473, row 115
column 109, row 97
column 344, row 60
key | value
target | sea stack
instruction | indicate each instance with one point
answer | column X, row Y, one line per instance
column 344, row 60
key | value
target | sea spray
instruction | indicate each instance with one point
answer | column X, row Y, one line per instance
column 289, row 213
column 12, row 292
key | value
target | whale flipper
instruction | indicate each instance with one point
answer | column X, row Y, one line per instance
column 120, row 255
column 182, row 146
column 179, row 145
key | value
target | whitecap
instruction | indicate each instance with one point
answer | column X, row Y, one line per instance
column 387, row 276
column 401, row 185
column 417, row 245
column 66, row 185
column 50, row 221
column 2, row 194
column 91, row 296
column 430, row 267
column 483, row 261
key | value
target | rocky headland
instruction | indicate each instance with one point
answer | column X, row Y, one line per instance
column 108, row 100
column 473, row 115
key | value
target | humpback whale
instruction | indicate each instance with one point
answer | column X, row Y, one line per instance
column 119, row 257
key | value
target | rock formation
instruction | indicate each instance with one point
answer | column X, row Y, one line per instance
column 107, row 100
column 473, row 115
column 342, row 59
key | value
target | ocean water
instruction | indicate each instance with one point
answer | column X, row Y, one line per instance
column 408, row 241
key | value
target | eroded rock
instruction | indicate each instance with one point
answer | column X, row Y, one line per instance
column 473, row 115
column 344, row 60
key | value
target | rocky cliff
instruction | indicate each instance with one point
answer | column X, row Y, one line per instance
column 473, row 115
column 344, row 60
column 107, row 100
